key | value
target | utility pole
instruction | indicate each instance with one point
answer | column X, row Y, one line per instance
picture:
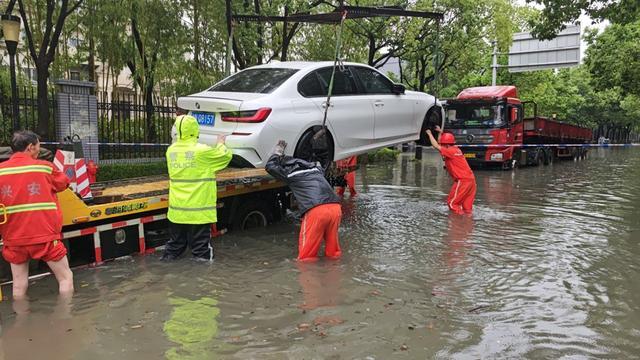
column 494, row 67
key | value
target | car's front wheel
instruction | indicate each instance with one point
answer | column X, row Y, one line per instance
column 320, row 150
column 430, row 121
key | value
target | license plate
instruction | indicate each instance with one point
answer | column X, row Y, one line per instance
column 470, row 155
column 204, row 118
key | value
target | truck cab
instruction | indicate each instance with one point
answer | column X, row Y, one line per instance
column 482, row 116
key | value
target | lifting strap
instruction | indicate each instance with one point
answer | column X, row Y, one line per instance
column 319, row 140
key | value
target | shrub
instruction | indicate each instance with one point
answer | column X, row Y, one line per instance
column 126, row 171
column 384, row 154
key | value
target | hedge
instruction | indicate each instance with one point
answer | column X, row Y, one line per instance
column 384, row 154
column 126, row 171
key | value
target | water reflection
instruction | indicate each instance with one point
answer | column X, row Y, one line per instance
column 36, row 334
column 321, row 283
column 458, row 240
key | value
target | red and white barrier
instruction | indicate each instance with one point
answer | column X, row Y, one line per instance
column 65, row 161
column 96, row 230
column 76, row 171
column 82, row 179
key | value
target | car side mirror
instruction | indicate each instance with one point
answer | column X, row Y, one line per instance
column 514, row 115
column 398, row 89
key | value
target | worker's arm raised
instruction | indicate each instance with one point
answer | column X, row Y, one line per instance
column 433, row 140
column 217, row 157
column 273, row 166
column 59, row 181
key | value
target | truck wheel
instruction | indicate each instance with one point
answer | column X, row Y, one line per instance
column 304, row 149
column 251, row 215
column 583, row 154
column 510, row 164
column 430, row 121
column 538, row 158
column 548, row 156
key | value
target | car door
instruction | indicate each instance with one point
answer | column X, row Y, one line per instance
column 394, row 113
column 350, row 115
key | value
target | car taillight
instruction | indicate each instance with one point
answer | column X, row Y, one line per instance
column 252, row 116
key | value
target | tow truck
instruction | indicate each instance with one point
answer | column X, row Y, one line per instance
column 129, row 216
column 490, row 127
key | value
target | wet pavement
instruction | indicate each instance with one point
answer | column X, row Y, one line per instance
column 547, row 267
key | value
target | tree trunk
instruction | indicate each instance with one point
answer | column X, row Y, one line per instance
column 92, row 60
column 256, row 4
column 285, row 35
column 372, row 49
column 43, row 102
column 196, row 35
column 148, row 109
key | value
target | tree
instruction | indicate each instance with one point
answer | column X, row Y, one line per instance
column 43, row 26
column 157, row 35
column 613, row 59
column 557, row 13
column 461, row 38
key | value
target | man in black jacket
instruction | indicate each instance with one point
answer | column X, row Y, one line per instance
column 319, row 206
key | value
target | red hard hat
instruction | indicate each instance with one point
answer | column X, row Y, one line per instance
column 447, row 139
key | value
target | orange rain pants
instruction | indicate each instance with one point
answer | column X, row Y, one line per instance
column 350, row 177
column 461, row 196
column 321, row 222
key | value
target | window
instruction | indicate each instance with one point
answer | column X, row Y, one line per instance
column 75, row 75
column 372, row 81
column 310, row 86
column 343, row 82
column 74, row 42
column 475, row 115
column 262, row 81
column 31, row 74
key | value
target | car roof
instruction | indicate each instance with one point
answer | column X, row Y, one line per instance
column 300, row 65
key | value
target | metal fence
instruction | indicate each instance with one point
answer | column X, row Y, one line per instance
column 125, row 131
column 28, row 113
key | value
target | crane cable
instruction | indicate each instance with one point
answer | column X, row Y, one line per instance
column 319, row 140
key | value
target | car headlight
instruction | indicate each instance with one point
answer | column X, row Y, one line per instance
column 496, row 157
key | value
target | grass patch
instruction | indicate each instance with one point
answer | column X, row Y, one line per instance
column 382, row 155
column 126, row 171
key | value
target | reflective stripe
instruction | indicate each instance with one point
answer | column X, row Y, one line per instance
column 192, row 209
column 26, row 169
column 455, row 195
column 31, row 207
column 302, row 172
column 192, row 180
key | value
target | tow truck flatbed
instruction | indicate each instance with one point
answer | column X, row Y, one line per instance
column 139, row 195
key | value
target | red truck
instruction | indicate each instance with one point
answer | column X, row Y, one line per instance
column 489, row 125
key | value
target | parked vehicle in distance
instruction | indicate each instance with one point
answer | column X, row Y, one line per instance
column 285, row 100
column 486, row 117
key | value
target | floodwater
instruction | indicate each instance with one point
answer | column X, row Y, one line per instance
column 547, row 267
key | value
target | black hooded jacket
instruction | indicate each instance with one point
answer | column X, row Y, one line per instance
column 305, row 179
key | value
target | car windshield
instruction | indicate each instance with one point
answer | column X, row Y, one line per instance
column 469, row 115
column 262, row 81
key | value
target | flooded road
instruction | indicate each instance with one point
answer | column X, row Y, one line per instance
column 547, row 267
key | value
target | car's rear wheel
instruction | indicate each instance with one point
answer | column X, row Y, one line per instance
column 309, row 150
column 432, row 119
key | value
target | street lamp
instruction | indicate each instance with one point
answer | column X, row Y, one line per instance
column 11, row 30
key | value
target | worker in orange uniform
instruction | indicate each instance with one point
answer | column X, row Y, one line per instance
column 28, row 188
column 350, row 177
column 463, row 191
column 318, row 205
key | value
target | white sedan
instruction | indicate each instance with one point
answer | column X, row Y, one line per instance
column 260, row 105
